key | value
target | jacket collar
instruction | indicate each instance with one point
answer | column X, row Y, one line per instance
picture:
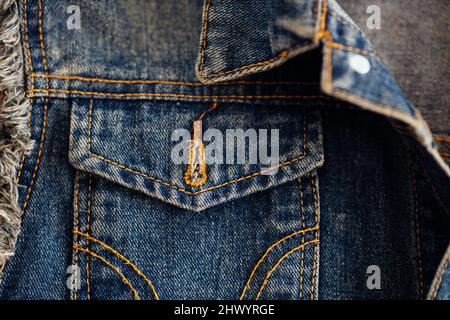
column 239, row 38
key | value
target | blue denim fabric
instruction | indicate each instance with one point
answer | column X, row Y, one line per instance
column 360, row 180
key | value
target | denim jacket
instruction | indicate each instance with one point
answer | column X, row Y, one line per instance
column 99, row 95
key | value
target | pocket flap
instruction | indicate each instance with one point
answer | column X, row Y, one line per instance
column 151, row 147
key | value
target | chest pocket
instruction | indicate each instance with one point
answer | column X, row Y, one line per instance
column 194, row 155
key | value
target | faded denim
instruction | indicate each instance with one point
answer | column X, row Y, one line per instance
column 361, row 180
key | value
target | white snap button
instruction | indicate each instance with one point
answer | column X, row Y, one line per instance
column 359, row 63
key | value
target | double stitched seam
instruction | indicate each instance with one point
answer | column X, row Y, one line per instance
column 179, row 95
column 124, row 259
column 302, row 211
column 109, row 264
column 77, row 226
column 267, row 252
column 169, row 82
column 302, row 262
column 442, row 139
column 316, row 235
column 44, row 124
column 417, row 232
column 102, row 158
column 269, row 274
column 88, row 227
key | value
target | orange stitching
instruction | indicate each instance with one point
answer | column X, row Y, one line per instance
column 38, row 160
column 338, row 17
column 267, row 252
column 92, row 154
column 269, row 274
column 123, row 258
column 418, row 245
column 76, row 223
column 281, row 55
column 439, row 282
column 170, row 82
column 302, row 210
column 337, row 45
column 177, row 95
column 213, row 107
column 124, row 279
column 316, row 235
column 324, row 16
column 44, row 124
column 189, row 173
column 205, row 31
column 442, row 139
column 200, row 191
column 88, row 227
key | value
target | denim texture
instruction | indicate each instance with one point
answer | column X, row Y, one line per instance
column 360, row 181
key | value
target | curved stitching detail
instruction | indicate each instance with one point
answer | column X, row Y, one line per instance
column 123, row 258
column 44, row 121
column 269, row 274
column 267, row 252
column 439, row 282
column 102, row 158
column 109, row 264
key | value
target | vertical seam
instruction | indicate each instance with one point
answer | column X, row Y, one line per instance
column 205, row 31
column 302, row 211
column 316, row 220
column 417, row 233
column 324, row 15
column 76, row 223
column 88, row 227
column 44, row 124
